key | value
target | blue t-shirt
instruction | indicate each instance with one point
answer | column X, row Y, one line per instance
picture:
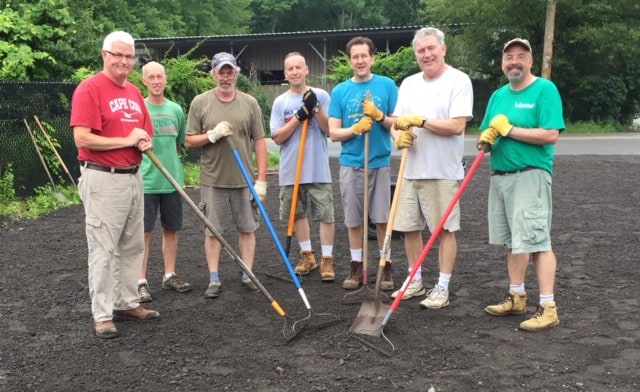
column 346, row 104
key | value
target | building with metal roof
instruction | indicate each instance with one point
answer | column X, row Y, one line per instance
column 263, row 54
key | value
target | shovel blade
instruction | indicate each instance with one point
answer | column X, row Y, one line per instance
column 369, row 319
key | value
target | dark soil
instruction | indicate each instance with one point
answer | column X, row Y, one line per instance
column 236, row 342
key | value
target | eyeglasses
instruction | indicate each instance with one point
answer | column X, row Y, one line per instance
column 120, row 56
column 520, row 58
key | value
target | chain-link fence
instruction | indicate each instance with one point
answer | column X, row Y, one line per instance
column 50, row 102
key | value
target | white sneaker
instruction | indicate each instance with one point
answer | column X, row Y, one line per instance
column 415, row 289
column 437, row 297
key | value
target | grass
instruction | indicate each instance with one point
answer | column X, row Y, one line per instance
column 578, row 127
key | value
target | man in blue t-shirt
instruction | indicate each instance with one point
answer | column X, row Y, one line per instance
column 360, row 105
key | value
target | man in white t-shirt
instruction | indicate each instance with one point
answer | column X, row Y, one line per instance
column 437, row 103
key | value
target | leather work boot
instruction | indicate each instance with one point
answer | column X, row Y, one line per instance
column 546, row 317
column 136, row 314
column 105, row 329
column 511, row 304
column 307, row 262
column 326, row 269
column 386, row 283
column 354, row 280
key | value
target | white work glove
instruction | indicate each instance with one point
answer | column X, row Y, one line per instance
column 223, row 129
column 261, row 189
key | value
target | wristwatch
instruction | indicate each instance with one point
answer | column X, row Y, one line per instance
column 316, row 109
column 424, row 121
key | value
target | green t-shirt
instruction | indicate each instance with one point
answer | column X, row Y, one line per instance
column 537, row 106
column 169, row 126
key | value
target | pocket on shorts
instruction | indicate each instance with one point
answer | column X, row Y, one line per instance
column 535, row 226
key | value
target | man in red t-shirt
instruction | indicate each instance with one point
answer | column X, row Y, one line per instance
column 111, row 128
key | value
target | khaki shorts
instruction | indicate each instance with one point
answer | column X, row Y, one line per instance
column 219, row 201
column 423, row 202
column 352, row 193
column 318, row 198
column 520, row 210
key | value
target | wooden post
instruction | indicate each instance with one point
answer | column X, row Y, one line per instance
column 548, row 39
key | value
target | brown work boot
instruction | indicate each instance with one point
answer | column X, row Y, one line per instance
column 386, row 283
column 511, row 304
column 105, row 329
column 354, row 280
column 136, row 314
column 326, row 269
column 307, row 262
column 546, row 317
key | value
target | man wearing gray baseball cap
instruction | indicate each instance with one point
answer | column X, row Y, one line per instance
column 219, row 119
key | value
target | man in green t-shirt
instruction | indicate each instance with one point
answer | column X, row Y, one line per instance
column 159, row 195
column 522, row 123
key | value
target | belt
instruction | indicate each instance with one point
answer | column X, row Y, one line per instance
column 109, row 169
column 506, row 173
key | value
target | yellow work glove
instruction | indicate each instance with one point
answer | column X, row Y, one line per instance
column 488, row 136
column 363, row 126
column 407, row 121
column 501, row 124
column 369, row 108
column 261, row 189
column 223, row 129
column 405, row 139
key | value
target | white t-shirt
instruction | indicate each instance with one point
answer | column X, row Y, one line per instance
column 451, row 95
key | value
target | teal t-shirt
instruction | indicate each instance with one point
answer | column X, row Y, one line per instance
column 346, row 104
column 169, row 126
column 537, row 106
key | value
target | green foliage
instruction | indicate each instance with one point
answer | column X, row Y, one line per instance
column 191, row 174
column 396, row 66
column 254, row 88
column 24, row 31
column 7, row 191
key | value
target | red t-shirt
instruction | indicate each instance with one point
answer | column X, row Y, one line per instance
column 110, row 110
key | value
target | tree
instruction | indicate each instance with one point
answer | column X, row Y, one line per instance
column 596, row 63
column 25, row 32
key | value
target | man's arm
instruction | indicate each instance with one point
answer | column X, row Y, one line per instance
column 535, row 135
column 261, row 158
column 84, row 138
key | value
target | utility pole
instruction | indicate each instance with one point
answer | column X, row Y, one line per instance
column 547, row 52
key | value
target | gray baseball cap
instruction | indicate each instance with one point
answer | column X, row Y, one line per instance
column 517, row 41
column 223, row 58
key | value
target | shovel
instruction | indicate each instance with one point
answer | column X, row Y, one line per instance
column 223, row 242
column 283, row 255
column 372, row 312
column 296, row 184
column 436, row 232
column 57, row 194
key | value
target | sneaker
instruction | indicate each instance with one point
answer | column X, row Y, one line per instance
column 138, row 313
column 176, row 283
column 144, row 295
column 105, row 329
column 213, row 291
column 307, row 262
column 249, row 285
column 437, row 297
column 415, row 289
column 513, row 303
column 326, row 269
column 546, row 316
column 354, row 280
column 386, row 284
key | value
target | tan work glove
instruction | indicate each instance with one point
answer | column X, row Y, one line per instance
column 223, row 129
column 406, row 121
column 369, row 108
column 261, row 189
column 363, row 126
column 501, row 124
column 405, row 139
column 488, row 136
